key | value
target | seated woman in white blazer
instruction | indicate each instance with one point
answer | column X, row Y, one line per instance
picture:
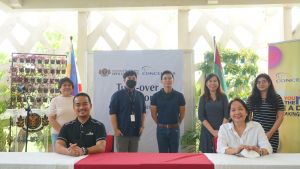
column 241, row 134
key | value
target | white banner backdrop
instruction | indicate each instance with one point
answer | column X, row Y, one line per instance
column 108, row 68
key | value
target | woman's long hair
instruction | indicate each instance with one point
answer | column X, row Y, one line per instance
column 255, row 97
column 219, row 92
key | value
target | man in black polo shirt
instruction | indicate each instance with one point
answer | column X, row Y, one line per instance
column 84, row 135
column 167, row 111
column 127, row 110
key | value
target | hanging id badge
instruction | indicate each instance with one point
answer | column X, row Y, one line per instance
column 132, row 118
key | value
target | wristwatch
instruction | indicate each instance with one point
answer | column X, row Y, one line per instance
column 261, row 153
column 85, row 150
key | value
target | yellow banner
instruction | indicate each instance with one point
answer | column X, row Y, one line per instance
column 284, row 69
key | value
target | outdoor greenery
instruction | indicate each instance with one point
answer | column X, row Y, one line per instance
column 55, row 40
column 190, row 139
column 4, row 99
column 240, row 69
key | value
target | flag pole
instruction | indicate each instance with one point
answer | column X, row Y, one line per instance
column 71, row 42
column 217, row 66
column 215, row 48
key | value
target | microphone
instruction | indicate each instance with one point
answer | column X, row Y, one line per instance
column 21, row 88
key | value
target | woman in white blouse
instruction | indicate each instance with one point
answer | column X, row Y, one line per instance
column 241, row 133
column 61, row 108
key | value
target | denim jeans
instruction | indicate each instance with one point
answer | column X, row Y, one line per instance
column 168, row 139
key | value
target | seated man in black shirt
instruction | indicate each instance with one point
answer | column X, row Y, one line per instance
column 84, row 135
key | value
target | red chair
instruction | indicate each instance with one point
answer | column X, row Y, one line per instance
column 215, row 144
column 109, row 143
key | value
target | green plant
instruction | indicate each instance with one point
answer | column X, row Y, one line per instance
column 4, row 100
column 190, row 139
column 2, row 140
column 4, row 92
column 54, row 38
column 4, row 97
column 54, row 42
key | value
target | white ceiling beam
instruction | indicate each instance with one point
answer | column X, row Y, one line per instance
column 15, row 3
column 90, row 4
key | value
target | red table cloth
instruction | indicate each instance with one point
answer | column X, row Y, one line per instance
column 145, row 161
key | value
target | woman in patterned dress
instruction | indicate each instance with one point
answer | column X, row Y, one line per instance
column 267, row 108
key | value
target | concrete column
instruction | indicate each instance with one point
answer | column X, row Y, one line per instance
column 189, row 82
column 287, row 22
column 82, row 47
column 183, row 30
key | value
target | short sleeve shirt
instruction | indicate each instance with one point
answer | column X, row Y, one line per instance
column 62, row 108
column 124, row 103
column 266, row 114
column 168, row 106
column 85, row 135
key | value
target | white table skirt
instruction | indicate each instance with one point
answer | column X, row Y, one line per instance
column 18, row 160
column 273, row 161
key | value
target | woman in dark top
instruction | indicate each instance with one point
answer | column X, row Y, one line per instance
column 267, row 108
column 212, row 112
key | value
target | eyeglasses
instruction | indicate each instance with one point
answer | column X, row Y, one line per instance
column 262, row 82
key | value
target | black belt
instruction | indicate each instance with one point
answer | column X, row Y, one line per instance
column 168, row 125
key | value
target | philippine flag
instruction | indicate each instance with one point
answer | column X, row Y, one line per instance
column 71, row 70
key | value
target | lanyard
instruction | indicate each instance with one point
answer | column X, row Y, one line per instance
column 132, row 96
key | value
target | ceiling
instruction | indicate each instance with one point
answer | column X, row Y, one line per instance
column 90, row 4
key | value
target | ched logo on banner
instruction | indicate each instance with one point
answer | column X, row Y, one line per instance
column 104, row 72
